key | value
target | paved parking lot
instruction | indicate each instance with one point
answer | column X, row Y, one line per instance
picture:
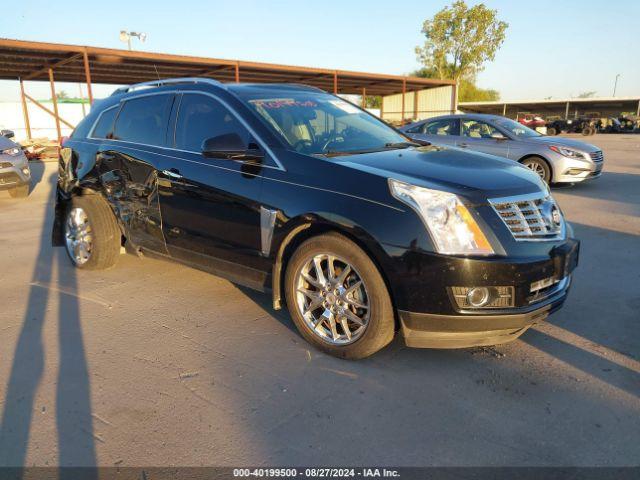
column 153, row 363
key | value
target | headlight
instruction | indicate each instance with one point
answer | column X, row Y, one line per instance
column 13, row 151
column 450, row 224
column 567, row 152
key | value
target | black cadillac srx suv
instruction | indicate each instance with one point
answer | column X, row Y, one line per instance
column 288, row 189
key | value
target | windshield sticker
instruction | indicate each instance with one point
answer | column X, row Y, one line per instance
column 275, row 103
column 344, row 106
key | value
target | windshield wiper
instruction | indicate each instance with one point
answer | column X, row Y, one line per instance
column 401, row 145
column 336, row 153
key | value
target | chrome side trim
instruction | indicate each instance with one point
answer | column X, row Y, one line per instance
column 237, row 171
column 277, row 166
column 267, row 224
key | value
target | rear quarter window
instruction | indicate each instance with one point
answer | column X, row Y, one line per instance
column 104, row 126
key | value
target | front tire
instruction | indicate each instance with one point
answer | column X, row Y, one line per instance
column 551, row 131
column 538, row 166
column 91, row 233
column 337, row 298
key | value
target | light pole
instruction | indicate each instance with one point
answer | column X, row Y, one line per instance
column 615, row 85
column 126, row 37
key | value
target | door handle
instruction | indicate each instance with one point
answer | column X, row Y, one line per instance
column 172, row 172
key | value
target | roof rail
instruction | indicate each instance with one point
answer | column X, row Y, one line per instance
column 163, row 82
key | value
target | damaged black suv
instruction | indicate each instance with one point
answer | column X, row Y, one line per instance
column 287, row 189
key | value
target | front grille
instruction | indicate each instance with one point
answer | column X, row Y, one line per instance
column 6, row 164
column 597, row 156
column 530, row 217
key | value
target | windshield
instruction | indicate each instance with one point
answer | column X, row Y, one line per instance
column 321, row 124
column 517, row 129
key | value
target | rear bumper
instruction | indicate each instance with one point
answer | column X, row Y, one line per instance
column 424, row 330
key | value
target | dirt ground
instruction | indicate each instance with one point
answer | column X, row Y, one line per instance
column 154, row 364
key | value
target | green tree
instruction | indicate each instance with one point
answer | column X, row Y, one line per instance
column 467, row 89
column 61, row 95
column 459, row 40
column 589, row 94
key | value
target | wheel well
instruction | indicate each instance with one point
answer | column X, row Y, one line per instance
column 303, row 233
column 81, row 191
column 541, row 158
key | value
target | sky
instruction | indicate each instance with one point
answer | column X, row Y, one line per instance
column 552, row 49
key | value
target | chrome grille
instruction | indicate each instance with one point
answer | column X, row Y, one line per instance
column 530, row 217
column 597, row 156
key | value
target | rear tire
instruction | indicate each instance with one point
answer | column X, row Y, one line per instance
column 551, row 131
column 329, row 334
column 586, row 131
column 92, row 237
column 19, row 192
column 538, row 166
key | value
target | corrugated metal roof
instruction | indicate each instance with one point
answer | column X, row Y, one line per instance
column 31, row 60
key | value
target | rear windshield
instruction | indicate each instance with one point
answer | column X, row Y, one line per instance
column 319, row 123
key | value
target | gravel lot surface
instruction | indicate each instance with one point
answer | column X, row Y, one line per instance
column 152, row 363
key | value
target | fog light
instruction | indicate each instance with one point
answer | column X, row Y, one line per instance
column 576, row 171
column 478, row 296
column 484, row 297
column 26, row 171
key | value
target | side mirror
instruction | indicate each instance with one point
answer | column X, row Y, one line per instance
column 229, row 147
column 7, row 133
column 498, row 136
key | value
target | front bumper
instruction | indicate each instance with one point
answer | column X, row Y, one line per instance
column 12, row 172
column 431, row 317
column 424, row 330
column 567, row 170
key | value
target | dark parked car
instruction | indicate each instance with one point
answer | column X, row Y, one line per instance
column 15, row 175
column 291, row 190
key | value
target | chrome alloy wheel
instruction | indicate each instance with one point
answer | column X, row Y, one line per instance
column 333, row 300
column 536, row 168
column 78, row 236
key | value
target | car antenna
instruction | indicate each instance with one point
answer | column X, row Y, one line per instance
column 157, row 74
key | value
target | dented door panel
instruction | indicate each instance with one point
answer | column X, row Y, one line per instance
column 128, row 178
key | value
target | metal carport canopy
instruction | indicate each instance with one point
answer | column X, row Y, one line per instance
column 27, row 60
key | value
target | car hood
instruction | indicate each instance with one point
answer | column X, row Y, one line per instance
column 564, row 142
column 6, row 143
column 472, row 175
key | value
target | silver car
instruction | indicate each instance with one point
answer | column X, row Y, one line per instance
column 15, row 175
column 556, row 160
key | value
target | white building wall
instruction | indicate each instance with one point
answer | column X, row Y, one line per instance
column 42, row 124
column 430, row 103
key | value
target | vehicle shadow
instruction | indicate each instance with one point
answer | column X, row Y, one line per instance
column 611, row 186
column 53, row 280
column 37, row 172
column 265, row 301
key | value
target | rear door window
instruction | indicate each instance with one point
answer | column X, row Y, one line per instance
column 448, row 126
column 477, row 129
column 144, row 120
column 417, row 129
column 104, row 127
